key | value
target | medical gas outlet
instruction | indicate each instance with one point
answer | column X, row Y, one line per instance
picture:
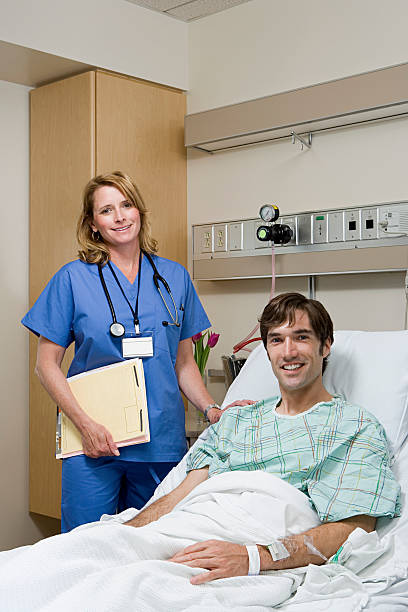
column 329, row 230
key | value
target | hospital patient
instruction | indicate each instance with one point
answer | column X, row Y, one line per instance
column 333, row 451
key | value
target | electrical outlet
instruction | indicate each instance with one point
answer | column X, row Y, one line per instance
column 220, row 237
column 204, row 242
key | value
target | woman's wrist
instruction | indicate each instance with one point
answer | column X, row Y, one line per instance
column 213, row 406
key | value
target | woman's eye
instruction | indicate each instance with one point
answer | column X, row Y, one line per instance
column 127, row 204
column 104, row 211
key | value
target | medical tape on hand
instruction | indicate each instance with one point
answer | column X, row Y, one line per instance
column 254, row 559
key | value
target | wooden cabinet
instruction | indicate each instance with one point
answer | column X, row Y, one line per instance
column 85, row 125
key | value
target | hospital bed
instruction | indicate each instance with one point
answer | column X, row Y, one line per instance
column 98, row 567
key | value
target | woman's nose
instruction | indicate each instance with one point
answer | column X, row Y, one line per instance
column 119, row 216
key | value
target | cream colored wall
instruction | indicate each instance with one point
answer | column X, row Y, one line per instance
column 112, row 34
column 17, row 527
column 265, row 46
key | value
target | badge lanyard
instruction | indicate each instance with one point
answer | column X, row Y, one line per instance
column 134, row 312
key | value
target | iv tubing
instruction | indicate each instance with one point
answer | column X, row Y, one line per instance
column 246, row 340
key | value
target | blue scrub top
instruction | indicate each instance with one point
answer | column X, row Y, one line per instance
column 73, row 308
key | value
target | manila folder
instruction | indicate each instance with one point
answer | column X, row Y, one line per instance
column 114, row 396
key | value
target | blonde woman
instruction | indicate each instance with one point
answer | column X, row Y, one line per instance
column 119, row 289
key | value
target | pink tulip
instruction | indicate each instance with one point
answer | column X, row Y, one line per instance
column 212, row 340
column 196, row 337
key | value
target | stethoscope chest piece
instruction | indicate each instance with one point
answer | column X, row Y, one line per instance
column 117, row 330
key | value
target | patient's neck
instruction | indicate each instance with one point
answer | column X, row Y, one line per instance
column 295, row 401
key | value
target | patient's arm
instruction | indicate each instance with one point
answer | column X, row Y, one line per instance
column 165, row 504
column 225, row 559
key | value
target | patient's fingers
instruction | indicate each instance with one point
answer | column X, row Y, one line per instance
column 222, row 559
column 198, row 547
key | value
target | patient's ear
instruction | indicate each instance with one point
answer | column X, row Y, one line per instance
column 326, row 348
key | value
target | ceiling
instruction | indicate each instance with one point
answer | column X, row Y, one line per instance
column 188, row 10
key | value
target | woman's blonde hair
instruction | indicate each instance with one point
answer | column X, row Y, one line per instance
column 92, row 247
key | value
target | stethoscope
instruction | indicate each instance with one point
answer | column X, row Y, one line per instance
column 116, row 328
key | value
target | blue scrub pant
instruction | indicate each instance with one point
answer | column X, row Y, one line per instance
column 92, row 487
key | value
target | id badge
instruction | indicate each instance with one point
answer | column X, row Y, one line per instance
column 138, row 346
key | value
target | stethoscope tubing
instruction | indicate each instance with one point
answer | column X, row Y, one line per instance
column 156, row 278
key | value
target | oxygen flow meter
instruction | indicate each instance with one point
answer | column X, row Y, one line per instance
column 278, row 233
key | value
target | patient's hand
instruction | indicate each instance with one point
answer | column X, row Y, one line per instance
column 223, row 559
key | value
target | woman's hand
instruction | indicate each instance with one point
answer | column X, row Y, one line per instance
column 97, row 441
column 243, row 402
column 214, row 414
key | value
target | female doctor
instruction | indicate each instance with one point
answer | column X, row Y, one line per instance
column 119, row 290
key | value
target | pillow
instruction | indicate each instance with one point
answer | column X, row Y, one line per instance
column 367, row 368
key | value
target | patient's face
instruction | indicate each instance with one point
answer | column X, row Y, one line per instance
column 295, row 354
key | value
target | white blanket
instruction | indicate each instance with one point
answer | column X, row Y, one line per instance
column 108, row 566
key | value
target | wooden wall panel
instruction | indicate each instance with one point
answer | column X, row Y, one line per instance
column 61, row 162
column 139, row 129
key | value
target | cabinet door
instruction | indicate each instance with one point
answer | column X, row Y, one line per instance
column 140, row 130
column 61, row 163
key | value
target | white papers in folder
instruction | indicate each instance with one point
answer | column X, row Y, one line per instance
column 114, row 396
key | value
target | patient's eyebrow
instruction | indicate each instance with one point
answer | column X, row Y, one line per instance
column 294, row 332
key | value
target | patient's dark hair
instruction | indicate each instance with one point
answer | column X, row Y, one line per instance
column 283, row 308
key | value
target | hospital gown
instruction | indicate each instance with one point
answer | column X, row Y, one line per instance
column 334, row 452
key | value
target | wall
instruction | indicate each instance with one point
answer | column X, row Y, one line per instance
column 111, row 34
column 17, row 527
column 263, row 47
